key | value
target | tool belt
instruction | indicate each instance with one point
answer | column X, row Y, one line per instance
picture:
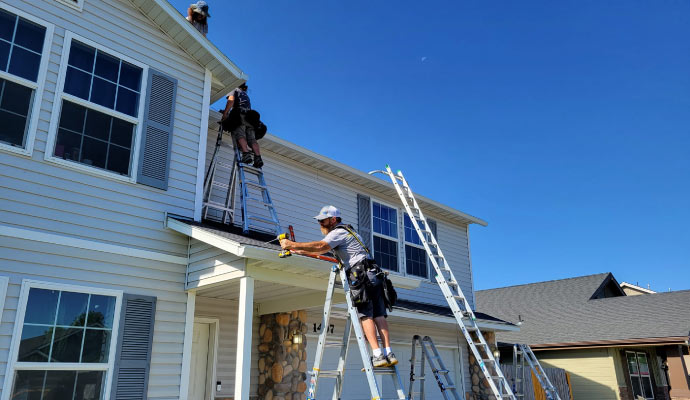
column 359, row 282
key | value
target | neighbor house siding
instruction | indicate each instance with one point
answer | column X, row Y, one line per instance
column 226, row 311
column 25, row 259
column 41, row 195
column 299, row 191
column 592, row 371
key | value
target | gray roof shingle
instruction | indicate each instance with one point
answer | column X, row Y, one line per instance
column 561, row 311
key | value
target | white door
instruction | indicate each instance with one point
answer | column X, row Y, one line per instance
column 198, row 382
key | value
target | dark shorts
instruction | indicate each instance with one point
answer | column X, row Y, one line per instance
column 376, row 306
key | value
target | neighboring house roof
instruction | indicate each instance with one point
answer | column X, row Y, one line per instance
column 361, row 179
column 226, row 75
column 571, row 313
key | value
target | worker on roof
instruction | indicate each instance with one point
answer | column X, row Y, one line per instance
column 198, row 15
column 365, row 278
column 243, row 121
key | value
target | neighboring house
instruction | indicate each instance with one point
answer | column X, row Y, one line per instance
column 634, row 290
column 613, row 345
column 111, row 286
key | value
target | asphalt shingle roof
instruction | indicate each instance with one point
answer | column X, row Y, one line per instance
column 561, row 312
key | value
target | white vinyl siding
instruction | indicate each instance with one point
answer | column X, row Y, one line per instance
column 310, row 189
column 44, row 196
column 26, row 259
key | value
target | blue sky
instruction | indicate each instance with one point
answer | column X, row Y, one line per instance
column 565, row 125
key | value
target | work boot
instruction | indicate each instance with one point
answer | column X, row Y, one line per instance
column 246, row 158
column 258, row 162
column 391, row 359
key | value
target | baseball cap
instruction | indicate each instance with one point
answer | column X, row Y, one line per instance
column 327, row 212
column 201, row 7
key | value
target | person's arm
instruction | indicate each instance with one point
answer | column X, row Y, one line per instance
column 190, row 14
column 316, row 248
column 228, row 105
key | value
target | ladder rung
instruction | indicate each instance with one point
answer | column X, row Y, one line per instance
column 257, row 185
column 220, row 185
column 250, row 168
column 442, row 371
column 333, row 344
column 384, row 371
column 449, row 387
column 486, row 360
column 329, row 374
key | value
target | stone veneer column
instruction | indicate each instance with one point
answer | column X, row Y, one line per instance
column 480, row 387
column 282, row 364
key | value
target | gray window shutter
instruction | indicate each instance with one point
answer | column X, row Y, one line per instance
column 364, row 219
column 133, row 358
column 432, row 226
column 156, row 142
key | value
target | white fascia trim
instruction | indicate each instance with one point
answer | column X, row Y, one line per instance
column 259, row 253
column 640, row 288
column 187, row 345
column 38, row 86
column 201, row 156
column 27, row 234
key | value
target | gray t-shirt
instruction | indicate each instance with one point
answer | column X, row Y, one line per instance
column 345, row 246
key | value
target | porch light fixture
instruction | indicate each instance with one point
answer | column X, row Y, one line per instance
column 497, row 354
column 297, row 337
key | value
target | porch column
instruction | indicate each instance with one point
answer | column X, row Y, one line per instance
column 677, row 372
column 187, row 344
column 244, row 338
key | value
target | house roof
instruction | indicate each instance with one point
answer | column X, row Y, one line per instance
column 567, row 313
column 382, row 187
column 226, row 75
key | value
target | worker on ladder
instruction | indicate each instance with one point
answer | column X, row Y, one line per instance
column 243, row 129
column 364, row 276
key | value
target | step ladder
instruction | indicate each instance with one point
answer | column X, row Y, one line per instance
column 462, row 311
column 352, row 323
column 522, row 353
column 438, row 368
column 519, row 373
column 221, row 182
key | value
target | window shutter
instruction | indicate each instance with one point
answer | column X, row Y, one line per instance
column 432, row 226
column 156, row 142
column 133, row 358
column 364, row 219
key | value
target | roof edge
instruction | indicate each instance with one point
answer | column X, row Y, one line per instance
column 214, row 116
column 653, row 341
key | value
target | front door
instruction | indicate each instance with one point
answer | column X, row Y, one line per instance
column 198, row 380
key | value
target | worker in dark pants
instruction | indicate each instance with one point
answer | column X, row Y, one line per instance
column 244, row 133
column 350, row 251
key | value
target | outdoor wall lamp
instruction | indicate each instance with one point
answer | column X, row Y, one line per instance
column 296, row 337
column 497, row 354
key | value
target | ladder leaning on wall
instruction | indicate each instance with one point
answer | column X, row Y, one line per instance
column 522, row 353
column 462, row 311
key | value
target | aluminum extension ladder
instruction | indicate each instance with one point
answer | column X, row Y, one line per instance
column 339, row 373
column 216, row 186
column 438, row 368
column 522, row 353
column 451, row 290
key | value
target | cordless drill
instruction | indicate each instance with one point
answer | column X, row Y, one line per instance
column 284, row 253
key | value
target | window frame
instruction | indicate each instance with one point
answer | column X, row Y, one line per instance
column 38, row 86
column 638, row 374
column 13, row 365
column 400, row 250
column 419, row 246
column 61, row 96
column 79, row 6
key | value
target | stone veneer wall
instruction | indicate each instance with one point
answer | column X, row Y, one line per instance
column 282, row 364
column 480, row 387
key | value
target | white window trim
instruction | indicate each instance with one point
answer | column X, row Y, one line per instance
column 4, row 282
column 71, row 4
column 398, row 240
column 429, row 267
column 60, row 95
column 37, row 86
column 27, row 284
column 639, row 373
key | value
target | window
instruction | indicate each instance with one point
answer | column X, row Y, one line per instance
column 23, row 40
column 415, row 254
column 98, row 115
column 385, row 220
column 64, row 343
column 640, row 379
column 76, row 4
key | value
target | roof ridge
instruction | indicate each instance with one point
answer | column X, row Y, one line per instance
column 538, row 283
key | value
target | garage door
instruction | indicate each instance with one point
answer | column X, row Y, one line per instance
column 356, row 386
